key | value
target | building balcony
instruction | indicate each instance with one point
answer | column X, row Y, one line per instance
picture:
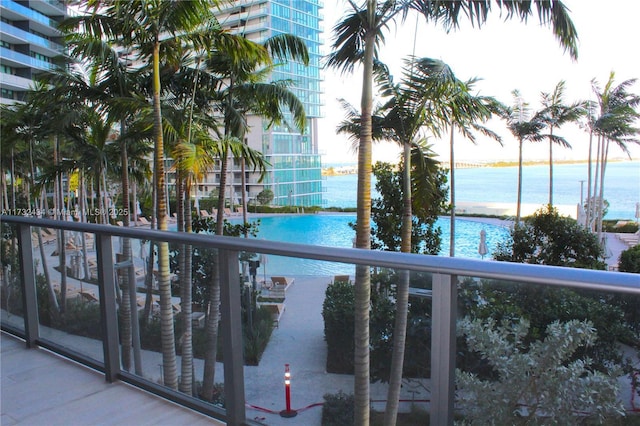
column 43, row 23
column 108, row 273
column 20, row 60
column 15, row 35
column 15, row 83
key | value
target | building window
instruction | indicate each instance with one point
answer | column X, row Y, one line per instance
column 6, row 93
column 7, row 70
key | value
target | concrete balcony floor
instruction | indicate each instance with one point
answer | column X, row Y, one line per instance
column 41, row 388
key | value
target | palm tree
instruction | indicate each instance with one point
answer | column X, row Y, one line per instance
column 21, row 126
column 615, row 123
column 556, row 113
column 194, row 157
column 402, row 118
column 461, row 111
column 356, row 39
column 244, row 91
column 524, row 128
column 409, row 111
column 153, row 30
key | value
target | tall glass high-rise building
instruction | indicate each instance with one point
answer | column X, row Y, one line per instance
column 295, row 173
column 29, row 41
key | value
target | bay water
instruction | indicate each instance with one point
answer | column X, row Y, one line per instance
column 500, row 185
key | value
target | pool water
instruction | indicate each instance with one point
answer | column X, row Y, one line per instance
column 332, row 230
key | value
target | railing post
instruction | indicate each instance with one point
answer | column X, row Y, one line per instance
column 443, row 349
column 231, row 311
column 28, row 281
column 108, row 312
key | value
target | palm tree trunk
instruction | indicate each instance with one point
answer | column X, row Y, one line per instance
column 5, row 192
column 594, row 196
column 244, row 196
column 519, row 202
column 452, row 235
column 83, row 218
column 13, row 181
column 363, row 231
column 169, row 362
column 213, row 308
column 127, row 307
column 186, row 378
column 45, row 268
column 589, row 173
column 551, row 166
column 603, row 166
column 58, row 206
column 402, row 301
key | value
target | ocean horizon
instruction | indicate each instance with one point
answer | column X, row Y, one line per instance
column 499, row 185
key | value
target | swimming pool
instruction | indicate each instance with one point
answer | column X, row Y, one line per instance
column 332, row 230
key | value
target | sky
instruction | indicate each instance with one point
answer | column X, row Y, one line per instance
column 506, row 55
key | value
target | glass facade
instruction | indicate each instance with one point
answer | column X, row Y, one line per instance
column 295, row 171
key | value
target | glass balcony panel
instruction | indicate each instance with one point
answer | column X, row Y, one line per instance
column 29, row 13
column 11, row 306
column 68, row 291
column 29, row 37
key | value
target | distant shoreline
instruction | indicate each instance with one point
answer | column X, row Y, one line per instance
column 353, row 168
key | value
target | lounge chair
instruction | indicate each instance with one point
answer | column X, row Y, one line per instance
column 227, row 211
column 282, row 281
column 89, row 296
column 204, row 213
column 143, row 221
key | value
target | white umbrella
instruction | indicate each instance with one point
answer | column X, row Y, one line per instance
column 581, row 216
column 263, row 263
column 482, row 247
column 138, row 209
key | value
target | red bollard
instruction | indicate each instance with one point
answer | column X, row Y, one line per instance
column 288, row 412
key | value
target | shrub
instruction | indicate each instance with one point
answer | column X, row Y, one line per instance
column 542, row 305
column 338, row 312
column 337, row 409
column 630, row 260
column 547, row 238
column 535, row 379
column 256, row 339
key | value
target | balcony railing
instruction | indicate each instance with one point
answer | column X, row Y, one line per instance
column 31, row 38
column 100, row 287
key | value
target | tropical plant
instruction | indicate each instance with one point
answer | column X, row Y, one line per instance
column 614, row 122
column 386, row 210
column 455, row 107
column 534, row 379
column 155, row 31
column 550, row 239
column 242, row 91
column 525, row 128
column 555, row 113
column 356, row 41
column 630, row 260
column 265, row 197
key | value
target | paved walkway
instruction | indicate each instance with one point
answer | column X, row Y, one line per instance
column 299, row 341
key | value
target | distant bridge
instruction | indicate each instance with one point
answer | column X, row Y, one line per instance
column 469, row 165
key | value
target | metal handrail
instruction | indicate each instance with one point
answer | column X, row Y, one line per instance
column 538, row 274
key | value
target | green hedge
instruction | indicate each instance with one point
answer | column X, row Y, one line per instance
column 338, row 311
